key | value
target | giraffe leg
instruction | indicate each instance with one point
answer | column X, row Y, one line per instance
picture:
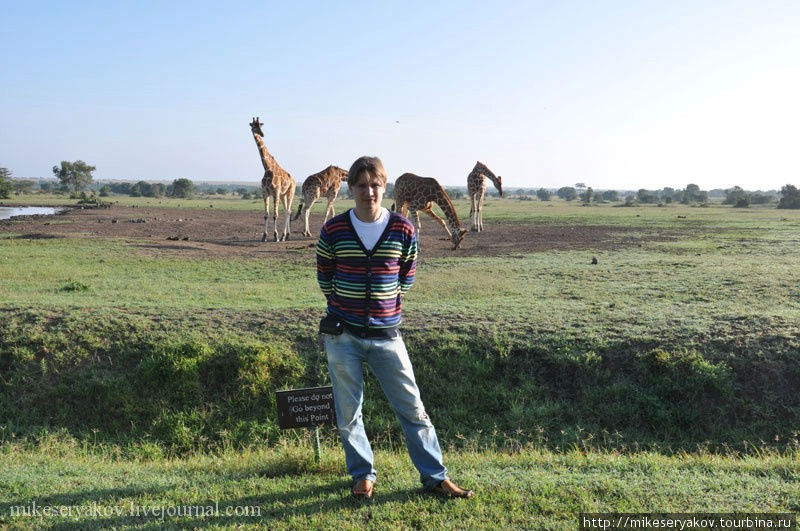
column 306, row 212
column 331, row 198
column 473, row 214
column 287, row 206
column 480, row 213
column 413, row 214
column 266, row 217
column 328, row 211
column 275, row 204
column 310, row 200
column 431, row 213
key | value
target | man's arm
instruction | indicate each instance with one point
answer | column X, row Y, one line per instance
column 408, row 262
column 326, row 263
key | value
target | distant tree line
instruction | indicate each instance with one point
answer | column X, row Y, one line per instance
column 76, row 177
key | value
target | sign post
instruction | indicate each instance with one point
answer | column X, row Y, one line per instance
column 304, row 408
column 311, row 406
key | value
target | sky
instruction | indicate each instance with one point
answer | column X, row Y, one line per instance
column 614, row 94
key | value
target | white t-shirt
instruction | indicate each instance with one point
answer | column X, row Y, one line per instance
column 370, row 233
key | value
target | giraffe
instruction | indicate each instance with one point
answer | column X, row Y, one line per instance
column 476, row 186
column 325, row 183
column 414, row 193
column 276, row 183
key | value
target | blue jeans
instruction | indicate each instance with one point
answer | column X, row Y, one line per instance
column 388, row 360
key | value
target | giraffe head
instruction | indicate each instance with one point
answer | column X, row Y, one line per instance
column 255, row 127
column 496, row 179
column 457, row 237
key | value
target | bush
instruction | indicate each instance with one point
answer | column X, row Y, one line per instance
column 790, row 197
column 74, row 285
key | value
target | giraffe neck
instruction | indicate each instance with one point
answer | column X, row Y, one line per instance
column 482, row 172
column 266, row 159
column 449, row 211
column 336, row 175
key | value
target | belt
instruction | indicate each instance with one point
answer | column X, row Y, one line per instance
column 373, row 333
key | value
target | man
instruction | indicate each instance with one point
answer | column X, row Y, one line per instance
column 366, row 260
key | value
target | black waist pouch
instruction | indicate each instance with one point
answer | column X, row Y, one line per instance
column 331, row 324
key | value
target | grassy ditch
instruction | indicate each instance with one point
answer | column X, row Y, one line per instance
column 193, row 383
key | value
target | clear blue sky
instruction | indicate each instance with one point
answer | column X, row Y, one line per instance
column 615, row 94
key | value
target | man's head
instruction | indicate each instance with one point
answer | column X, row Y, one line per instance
column 371, row 165
column 367, row 182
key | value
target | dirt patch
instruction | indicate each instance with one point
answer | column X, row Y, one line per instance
column 210, row 233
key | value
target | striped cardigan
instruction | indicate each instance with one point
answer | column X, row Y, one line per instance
column 365, row 288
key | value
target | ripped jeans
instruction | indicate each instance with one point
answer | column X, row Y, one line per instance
column 388, row 360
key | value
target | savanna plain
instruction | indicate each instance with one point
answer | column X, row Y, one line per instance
column 141, row 346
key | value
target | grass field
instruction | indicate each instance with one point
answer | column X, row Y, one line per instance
column 666, row 377
column 282, row 488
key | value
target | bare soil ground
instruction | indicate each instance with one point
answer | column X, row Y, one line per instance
column 210, row 233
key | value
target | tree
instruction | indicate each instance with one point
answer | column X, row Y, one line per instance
column 587, row 196
column 693, row 194
column 105, row 190
column 23, row 186
column 76, row 175
column 610, row 195
column 790, row 197
column 6, row 186
column 47, row 186
column 454, row 193
column 737, row 197
column 141, row 189
column 758, row 198
column 183, row 188
column 567, row 193
column 646, row 196
column 543, row 195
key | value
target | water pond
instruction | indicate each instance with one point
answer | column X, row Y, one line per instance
column 10, row 212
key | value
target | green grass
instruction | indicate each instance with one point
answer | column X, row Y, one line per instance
column 119, row 273
column 663, row 378
column 281, row 488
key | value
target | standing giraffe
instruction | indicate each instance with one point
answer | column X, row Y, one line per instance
column 325, row 183
column 276, row 183
column 414, row 193
column 476, row 186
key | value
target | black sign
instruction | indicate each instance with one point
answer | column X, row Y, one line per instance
column 302, row 408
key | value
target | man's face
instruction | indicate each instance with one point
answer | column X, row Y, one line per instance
column 368, row 192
